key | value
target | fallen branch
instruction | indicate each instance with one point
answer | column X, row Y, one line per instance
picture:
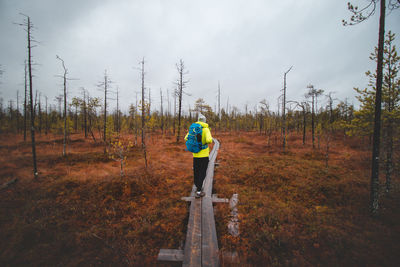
column 7, row 184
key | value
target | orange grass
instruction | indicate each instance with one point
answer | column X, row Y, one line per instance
column 293, row 210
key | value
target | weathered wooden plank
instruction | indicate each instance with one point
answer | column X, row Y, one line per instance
column 207, row 185
column 209, row 249
column 216, row 199
column 220, row 200
column 170, row 255
column 192, row 251
column 187, row 198
column 201, row 244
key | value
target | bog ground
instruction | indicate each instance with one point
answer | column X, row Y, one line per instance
column 294, row 210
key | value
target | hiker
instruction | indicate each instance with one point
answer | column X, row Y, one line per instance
column 197, row 140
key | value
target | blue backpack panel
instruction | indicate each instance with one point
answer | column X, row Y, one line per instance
column 193, row 143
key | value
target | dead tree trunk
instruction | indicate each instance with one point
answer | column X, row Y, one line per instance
column 284, row 109
column 162, row 115
column 25, row 107
column 105, row 85
column 117, row 117
column 181, row 84
column 35, row 171
column 304, row 126
column 173, row 122
column 143, row 116
column 18, row 126
column 40, row 114
column 46, row 120
column 136, row 121
column 84, row 112
column 311, row 93
column 65, row 106
column 105, row 111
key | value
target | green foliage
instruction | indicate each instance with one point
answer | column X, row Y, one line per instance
column 118, row 149
column 362, row 123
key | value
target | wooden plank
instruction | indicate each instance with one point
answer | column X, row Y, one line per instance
column 209, row 249
column 201, row 244
column 208, row 182
column 170, row 255
column 216, row 199
column 192, row 251
column 220, row 200
column 188, row 198
column 209, row 234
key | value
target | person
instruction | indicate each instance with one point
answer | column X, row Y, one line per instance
column 200, row 159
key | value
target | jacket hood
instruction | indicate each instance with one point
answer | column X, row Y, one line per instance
column 203, row 124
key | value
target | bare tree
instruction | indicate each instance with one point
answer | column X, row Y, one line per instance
column 149, row 107
column 330, row 129
column 29, row 28
column 313, row 93
column 118, row 117
column 18, row 112
column 304, row 107
column 284, row 108
column 219, row 101
column 219, row 106
column 84, row 109
column 136, row 121
column 358, row 16
column 25, row 96
column 181, row 84
column 105, row 87
column 11, row 111
column 173, row 122
column 162, row 115
column 47, row 119
column 76, row 102
column 64, row 76
column 143, row 114
column 40, row 114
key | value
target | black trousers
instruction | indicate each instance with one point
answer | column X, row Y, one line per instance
column 200, row 169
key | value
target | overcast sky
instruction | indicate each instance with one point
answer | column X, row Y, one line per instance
column 246, row 45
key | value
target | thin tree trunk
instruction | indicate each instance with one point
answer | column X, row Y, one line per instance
column 174, row 113
column 65, row 115
column 313, row 123
column 143, row 118
column 118, row 111
column 25, row 107
column 284, row 109
column 304, row 127
column 18, row 112
column 162, row 115
column 46, row 120
column 85, row 113
column 40, row 114
column 180, row 101
column 105, row 113
column 377, row 125
column 35, row 171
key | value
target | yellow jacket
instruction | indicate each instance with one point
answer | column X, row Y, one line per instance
column 206, row 138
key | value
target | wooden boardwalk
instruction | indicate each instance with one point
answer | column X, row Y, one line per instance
column 201, row 244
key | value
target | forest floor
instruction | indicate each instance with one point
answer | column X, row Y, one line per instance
column 293, row 209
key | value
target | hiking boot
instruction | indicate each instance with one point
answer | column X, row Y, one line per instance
column 200, row 194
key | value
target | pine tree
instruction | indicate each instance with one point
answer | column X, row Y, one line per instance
column 362, row 124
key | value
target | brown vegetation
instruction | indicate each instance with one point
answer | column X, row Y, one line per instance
column 293, row 210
